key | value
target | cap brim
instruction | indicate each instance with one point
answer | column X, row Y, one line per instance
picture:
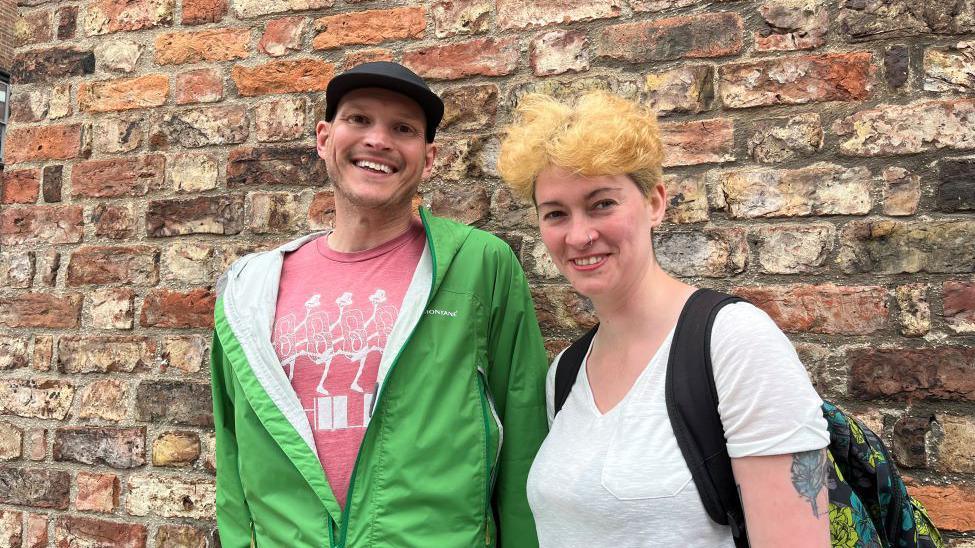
column 340, row 85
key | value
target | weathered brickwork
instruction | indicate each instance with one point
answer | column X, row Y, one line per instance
column 819, row 160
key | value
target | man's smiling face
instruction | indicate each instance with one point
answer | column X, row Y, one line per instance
column 375, row 149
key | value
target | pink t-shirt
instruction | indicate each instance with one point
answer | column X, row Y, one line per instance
column 334, row 314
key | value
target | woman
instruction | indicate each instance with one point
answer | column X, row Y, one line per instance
column 610, row 472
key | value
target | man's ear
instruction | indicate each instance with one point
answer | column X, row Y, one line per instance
column 430, row 156
column 322, row 133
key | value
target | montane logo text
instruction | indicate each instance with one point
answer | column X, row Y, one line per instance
column 435, row 312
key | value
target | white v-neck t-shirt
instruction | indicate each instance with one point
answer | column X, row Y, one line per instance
column 619, row 480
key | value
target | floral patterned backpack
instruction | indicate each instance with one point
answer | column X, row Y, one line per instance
column 869, row 506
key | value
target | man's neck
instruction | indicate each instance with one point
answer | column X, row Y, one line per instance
column 363, row 229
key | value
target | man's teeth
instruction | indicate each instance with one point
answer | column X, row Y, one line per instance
column 374, row 166
column 587, row 261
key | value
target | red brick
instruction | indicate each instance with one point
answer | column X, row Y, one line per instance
column 827, row 309
column 50, row 224
column 951, row 507
column 959, row 305
column 113, row 221
column 67, row 18
column 20, row 186
column 146, row 91
column 35, row 443
column 42, row 143
column 32, row 28
column 96, row 492
column 51, row 65
column 698, row 142
column 321, row 212
column 469, row 107
column 369, row 27
column 106, row 16
column 180, row 536
column 481, row 57
column 452, row 17
column 138, row 265
column 798, row 80
column 36, row 487
column 204, row 215
column 916, row 127
column 70, row 531
column 121, row 448
column 199, row 86
column 35, row 534
column 43, row 352
column 560, row 307
column 943, row 373
column 693, row 36
column 132, row 176
column 173, row 48
column 198, row 12
column 40, row 310
column 518, row 14
column 559, row 51
column 246, row 9
column 356, row 58
column 178, row 309
column 275, row 166
column 11, row 529
column 199, row 127
column 295, row 76
column 282, row 36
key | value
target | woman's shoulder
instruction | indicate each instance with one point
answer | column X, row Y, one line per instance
column 743, row 319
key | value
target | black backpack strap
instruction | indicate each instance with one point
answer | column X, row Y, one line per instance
column 692, row 404
column 568, row 367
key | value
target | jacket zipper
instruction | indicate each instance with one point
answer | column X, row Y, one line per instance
column 355, row 468
column 489, row 410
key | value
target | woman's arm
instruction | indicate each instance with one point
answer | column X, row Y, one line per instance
column 785, row 499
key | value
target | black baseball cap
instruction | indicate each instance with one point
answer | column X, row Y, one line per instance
column 386, row 75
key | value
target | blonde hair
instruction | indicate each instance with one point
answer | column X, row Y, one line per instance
column 601, row 134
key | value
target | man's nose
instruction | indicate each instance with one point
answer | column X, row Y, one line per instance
column 377, row 137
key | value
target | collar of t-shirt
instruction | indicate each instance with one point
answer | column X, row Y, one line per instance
column 415, row 230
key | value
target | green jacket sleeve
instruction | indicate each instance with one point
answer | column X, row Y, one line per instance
column 518, row 365
column 233, row 515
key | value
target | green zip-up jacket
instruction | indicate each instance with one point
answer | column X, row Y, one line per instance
column 458, row 415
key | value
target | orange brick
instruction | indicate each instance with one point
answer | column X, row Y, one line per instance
column 951, row 507
column 481, row 57
column 199, row 86
column 173, row 48
column 283, row 77
column 20, row 186
column 42, row 143
column 369, row 27
column 125, row 94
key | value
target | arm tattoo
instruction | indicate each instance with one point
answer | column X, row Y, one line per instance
column 809, row 475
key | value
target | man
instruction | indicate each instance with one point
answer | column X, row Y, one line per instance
column 380, row 384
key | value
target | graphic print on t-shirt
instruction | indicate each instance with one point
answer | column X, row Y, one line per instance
column 343, row 345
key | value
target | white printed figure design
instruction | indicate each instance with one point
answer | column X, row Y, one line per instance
column 321, row 341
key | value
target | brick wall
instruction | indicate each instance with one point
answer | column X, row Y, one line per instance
column 8, row 15
column 817, row 159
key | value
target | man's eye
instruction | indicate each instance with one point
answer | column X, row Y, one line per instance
column 405, row 129
column 356, row 119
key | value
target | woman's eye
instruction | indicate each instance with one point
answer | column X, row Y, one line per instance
column 552, row 215
column 603, row 204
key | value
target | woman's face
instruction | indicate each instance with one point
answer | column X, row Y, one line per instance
column 597, row 229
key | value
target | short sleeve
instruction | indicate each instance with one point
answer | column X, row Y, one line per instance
column 766, row 401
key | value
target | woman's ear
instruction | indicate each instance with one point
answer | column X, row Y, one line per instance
column 657, row 204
